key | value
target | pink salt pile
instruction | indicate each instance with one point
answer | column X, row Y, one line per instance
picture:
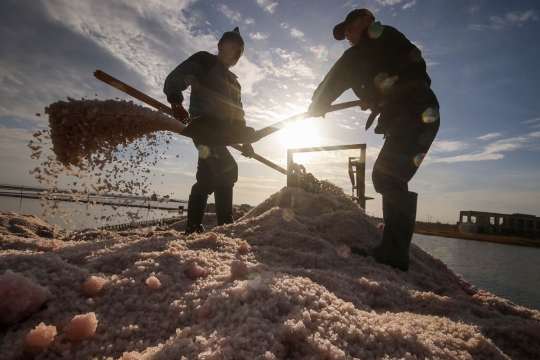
column 81, row 327
column 41, row 336
column 19, row 297
column 93, row 286
column 301, row 294
column 105, row 146
column 82, row 129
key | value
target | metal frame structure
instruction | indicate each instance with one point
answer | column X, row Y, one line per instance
column 359, row 174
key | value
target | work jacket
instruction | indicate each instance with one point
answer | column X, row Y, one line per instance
column 215, row 106
column 384, row 69
column 215, row 91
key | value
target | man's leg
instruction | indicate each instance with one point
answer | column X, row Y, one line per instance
column 407, row 143
column 225, row 174
column 199, row 194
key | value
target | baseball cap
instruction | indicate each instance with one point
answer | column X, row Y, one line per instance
column 339, row 29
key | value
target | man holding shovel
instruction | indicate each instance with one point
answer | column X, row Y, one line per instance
column 215, row 120
column 387, row 72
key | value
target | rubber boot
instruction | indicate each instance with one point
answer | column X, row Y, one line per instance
column 224, row 203
column 399, row 212
column 196, row 207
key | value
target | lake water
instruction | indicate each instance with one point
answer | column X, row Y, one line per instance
column 508, row 271
column 78, row 212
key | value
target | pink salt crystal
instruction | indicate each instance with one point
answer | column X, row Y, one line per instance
column 93, row 286
column 19, row 297
column 41, row 336
column 244, row 247
column 131, row 356
column 153, row 283
column 205, row 312
column 238, row 269
column 81, row 327
column 43, row 248
column 194, row 271
column 212, row 236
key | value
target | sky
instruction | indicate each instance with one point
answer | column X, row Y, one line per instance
column 482, row 57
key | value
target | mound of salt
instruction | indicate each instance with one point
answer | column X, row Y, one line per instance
column 303, row 297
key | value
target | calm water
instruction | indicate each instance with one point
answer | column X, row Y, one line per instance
column 511, row 272
column 81, row 220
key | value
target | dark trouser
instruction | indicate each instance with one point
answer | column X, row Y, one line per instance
column 408, row 139
column 217, row 172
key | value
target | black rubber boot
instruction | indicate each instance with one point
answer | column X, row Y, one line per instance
column 224, row 203
column 196, row 207
column 399, row 212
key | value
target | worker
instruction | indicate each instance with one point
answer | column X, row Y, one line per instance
column 215, row 119
column 388, row 74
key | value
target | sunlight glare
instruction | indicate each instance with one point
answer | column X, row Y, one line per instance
column 305, row 133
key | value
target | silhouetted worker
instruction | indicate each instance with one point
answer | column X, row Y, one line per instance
column 215, row 119
column 387, row 72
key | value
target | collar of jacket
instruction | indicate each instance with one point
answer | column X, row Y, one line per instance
column 227, row 71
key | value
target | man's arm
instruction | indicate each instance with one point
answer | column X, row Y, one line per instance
column 334, row 84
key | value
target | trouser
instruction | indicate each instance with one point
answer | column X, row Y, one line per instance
column 408, row 140
column 217, row 172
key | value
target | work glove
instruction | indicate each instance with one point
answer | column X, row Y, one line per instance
column 247, row 150
column 180, row 113
column 317, row 110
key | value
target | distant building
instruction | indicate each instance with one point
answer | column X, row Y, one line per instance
column 504, row 224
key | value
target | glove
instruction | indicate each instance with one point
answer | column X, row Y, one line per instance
column 180, row 113
column 247, row 150
column 317, row 110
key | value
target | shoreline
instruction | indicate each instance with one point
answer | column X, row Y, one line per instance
column 451, row 231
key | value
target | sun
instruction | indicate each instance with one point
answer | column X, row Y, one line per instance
column 304, row 133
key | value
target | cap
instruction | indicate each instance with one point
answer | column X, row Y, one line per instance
column 339, row 29
column 232, row 36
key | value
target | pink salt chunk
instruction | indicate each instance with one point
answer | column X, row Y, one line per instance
column 153, row 283
column 131, row 356
column 244, row 247
column 81, row 327
column 194, row 271
column 41, row 336
column 239, row 269
column 212, row 236
column 92, row 287
column 19, row 297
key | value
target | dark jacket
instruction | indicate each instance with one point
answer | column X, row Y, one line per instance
column 384, row 69
column 215, row 105
column 215, row 91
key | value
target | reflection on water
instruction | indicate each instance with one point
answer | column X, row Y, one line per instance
column 511, row 272
column 80, row 219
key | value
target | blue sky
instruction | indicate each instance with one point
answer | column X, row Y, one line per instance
column 482, row 57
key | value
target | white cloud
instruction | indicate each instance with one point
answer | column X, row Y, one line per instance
column 440, row 146
column 296, row 33
column 490, row 136
column 258, row 36
column 409, row 5
column 531, row 121
column 284, row 25
column 389, row 2
column 267, row 5
column 495, row 150
column 234, row 16
column 250, row 21
column 293, row 64
column 517, row 18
